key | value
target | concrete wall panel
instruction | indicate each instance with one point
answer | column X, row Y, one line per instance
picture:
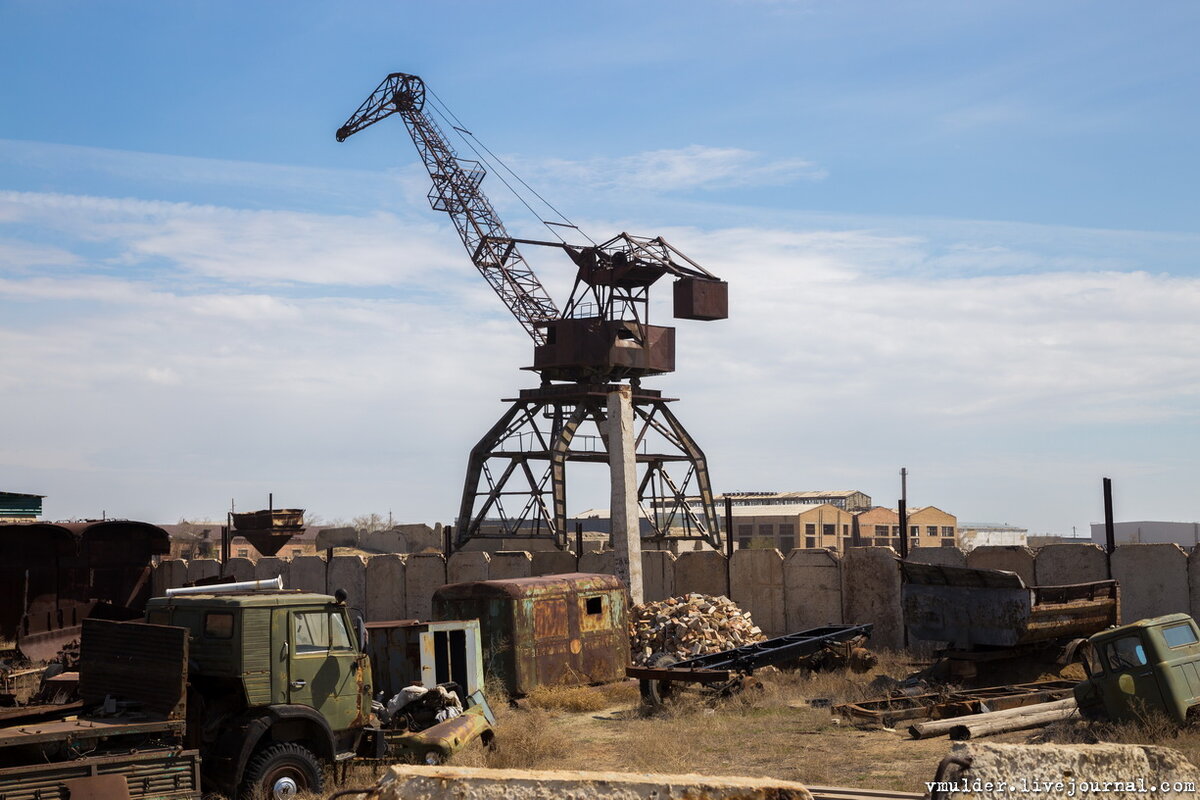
column 169, row 574
column 201, row 568
column 756, row 580
column 385, row 588
column 553, row 562
column 510, row 564
column 1153, row 579
column 269, row 567
column 307, row 574
column 1013, row 558
column 812, row 589
column 465, row 566
column 601, row 563
column 1060, row 564
column 349, row 572
column 240, row 569
column 941, row 556
column 1194, row 581
column 871, row 582
column 701, row 571
column 424, row 573
column 658, row 574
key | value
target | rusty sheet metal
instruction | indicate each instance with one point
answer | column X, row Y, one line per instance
column 141, row 663
column 54, row 574
column 167, row 774
column 892, row 709
column 566, row 629
column 970, row 608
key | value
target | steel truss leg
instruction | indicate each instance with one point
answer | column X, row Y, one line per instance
column 520, row 438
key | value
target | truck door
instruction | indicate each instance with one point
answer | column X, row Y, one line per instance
column 1131, row 688
column 322, row 665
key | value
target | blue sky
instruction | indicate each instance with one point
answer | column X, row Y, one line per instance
column 961, row 237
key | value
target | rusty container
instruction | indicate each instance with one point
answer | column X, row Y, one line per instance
column 557, row 630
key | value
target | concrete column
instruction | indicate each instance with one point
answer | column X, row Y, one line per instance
column 622, row 462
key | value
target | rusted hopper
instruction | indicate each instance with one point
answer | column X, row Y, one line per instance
column 556, row 630
column 270, row 529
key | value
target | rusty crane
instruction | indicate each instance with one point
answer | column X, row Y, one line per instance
column 600, row 339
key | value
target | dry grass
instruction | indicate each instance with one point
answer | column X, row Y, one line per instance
column 1150, row 727
column 581, row 698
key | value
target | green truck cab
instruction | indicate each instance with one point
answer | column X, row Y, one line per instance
column 1152, row 665
column 278, row 686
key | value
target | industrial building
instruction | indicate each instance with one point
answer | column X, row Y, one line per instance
column 1185, row 534
column 20, row 507
column 978, row 534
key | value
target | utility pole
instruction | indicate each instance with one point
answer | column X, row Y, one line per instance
column 626, row 522
column 903, row 512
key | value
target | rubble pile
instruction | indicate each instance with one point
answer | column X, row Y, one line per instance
column 688, row 626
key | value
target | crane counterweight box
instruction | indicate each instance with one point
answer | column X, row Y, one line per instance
column 696, row 298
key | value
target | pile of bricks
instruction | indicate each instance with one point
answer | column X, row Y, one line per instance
column 688, row 626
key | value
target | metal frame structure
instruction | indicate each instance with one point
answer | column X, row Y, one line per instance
column 603, row 336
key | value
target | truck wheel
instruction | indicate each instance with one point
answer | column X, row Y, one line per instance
column 281, row 771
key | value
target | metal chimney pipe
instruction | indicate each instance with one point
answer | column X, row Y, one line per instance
column 264, row 585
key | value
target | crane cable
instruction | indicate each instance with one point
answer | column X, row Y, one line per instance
column 471, row 140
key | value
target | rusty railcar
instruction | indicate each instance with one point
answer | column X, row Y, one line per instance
column 555, row 630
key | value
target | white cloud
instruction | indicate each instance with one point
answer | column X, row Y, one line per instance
column 687, row 168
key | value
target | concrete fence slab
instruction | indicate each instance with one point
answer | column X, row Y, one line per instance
column 465, row 566
column 941, row 556
column 756, row 581
column 424, row 573
column 200, row 568
column 269, row 567
column 553, row 562
column 510, row 564
column 386, row 599
column 812, row 589
column 871, row 581
column 307, row 574
column 658, row 575
column 599, row 563
column 1194, row 581
column 701, row 571
column 1011, row 557
column 169, row 574
column 240, row 569
column 1067, row 563
column 1153, row 579
column 348, row 572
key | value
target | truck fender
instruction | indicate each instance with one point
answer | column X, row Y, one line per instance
column 238, row 744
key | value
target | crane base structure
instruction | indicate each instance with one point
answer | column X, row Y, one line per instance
column 516, row 476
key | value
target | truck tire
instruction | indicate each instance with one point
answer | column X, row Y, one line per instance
column 281, row 771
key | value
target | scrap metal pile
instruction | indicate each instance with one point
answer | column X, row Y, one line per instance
column 688, row 626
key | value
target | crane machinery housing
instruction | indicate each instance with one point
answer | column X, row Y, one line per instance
column 600, row 339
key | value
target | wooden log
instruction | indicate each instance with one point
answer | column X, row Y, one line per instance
column 941, row 727
column 975, row 728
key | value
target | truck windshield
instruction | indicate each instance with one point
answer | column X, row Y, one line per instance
column 1124, row 653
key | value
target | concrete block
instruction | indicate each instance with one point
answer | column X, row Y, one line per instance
column 307, row 574
column 812, row 589
column 389, row 541
column 240, row 569
column 601, row 563
column 386, row 598
column 1153, row 580
column 1066, row 563
column 336, row 537
column 1060, row 771
column 269, row 567
column 871, row 586
column 658, row 574
column 756, row 581
column 200, row 568
column 941, row 556
column 424, row 573
column 510, row 564
column 553, row 562
column 420, row 538
column 1013, row 558
column 349, row 572
column 701, row 571
column 1194, row 581
column 465, row 566
column 169, row 574
column 408, row 782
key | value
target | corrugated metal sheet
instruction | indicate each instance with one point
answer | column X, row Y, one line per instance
column 167, row 774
